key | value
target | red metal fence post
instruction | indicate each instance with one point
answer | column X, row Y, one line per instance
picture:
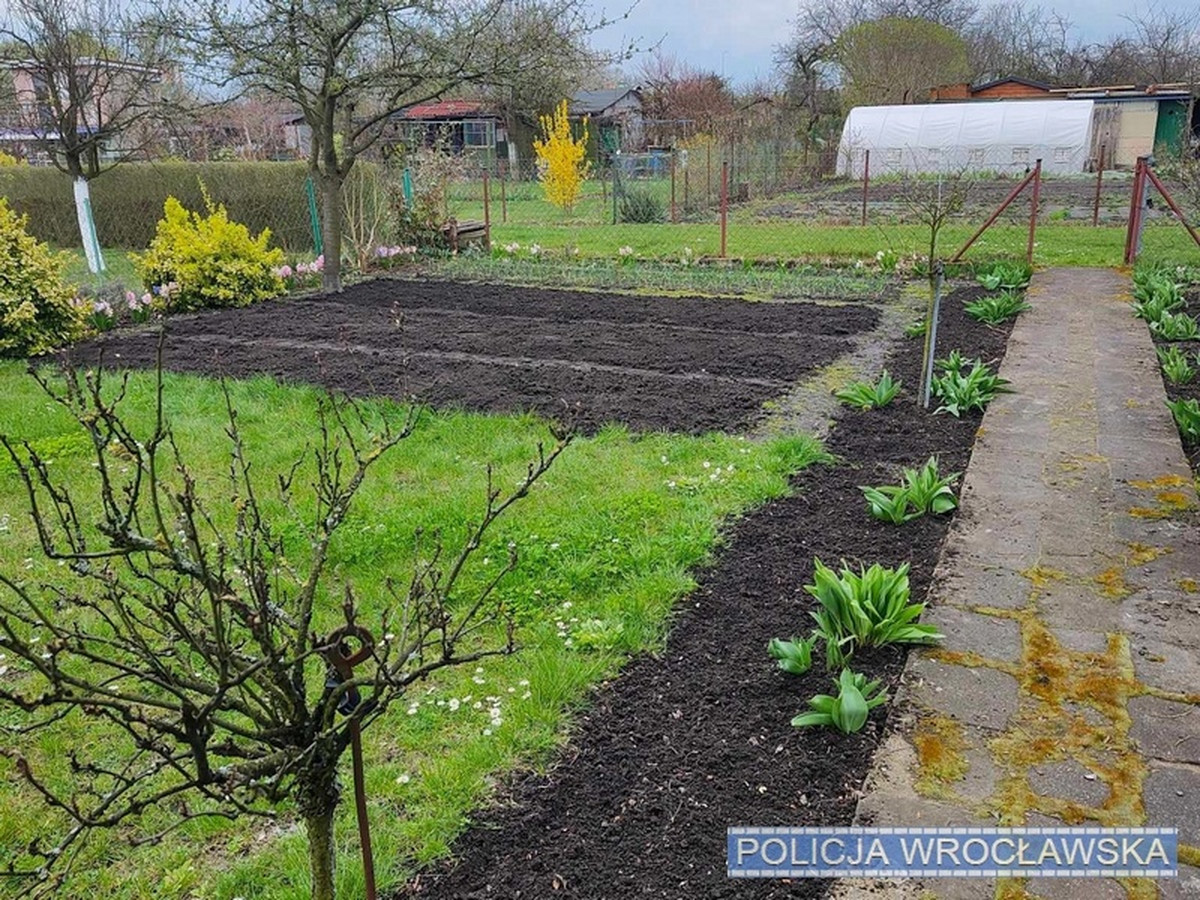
column 1033, row 209
column 1012, row 195
column 487, row 211
column 1135, row 211
column 866, row 183
column 1099, row 185
column 724, row 205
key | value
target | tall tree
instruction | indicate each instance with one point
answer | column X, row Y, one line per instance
column 898, row 60
column 350, row 65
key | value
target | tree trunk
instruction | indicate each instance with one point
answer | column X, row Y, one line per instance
column 321, row 854
column 331, row 232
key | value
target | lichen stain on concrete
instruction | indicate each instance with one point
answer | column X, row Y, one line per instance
column 1142, row 554
column 941, row 760
column 1112, row 583
column 1160, row 483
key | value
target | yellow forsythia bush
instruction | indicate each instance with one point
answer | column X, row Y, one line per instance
column 563, row 166
column 37, row 310
column 199, row 261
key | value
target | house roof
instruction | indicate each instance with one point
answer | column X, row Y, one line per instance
column 443, row 109
column 589, row 103
column 1011, row 79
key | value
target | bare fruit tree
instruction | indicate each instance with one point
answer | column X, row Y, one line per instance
column 933, row 199
column 350, row 66
column 90, row 82
column 206, row 639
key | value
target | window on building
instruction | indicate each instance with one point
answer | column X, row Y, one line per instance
column 478, row 134
column 1020, row 155
column 1062, row 154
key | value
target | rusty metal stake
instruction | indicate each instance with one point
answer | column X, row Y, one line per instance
column 342, row 660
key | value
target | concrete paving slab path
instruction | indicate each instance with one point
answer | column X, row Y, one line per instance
column 1067, row 690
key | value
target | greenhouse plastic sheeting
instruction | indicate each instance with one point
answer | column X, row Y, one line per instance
column 1001, row 136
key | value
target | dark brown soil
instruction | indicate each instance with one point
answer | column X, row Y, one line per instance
column 1191, row 390
column 681, row 364
column 682, row 745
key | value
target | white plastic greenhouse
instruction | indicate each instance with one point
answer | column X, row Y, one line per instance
column 947, row 137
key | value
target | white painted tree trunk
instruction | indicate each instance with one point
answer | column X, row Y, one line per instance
column 87, row 226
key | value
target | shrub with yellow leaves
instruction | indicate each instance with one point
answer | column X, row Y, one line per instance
column 562, row 158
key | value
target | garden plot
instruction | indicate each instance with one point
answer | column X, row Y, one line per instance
column 680, row 364
column 691, row 741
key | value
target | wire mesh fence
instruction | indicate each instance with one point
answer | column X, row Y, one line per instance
column 740, row 200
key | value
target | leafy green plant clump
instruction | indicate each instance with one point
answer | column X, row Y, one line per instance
column 1006, row 276
column 37, row 310
column 921, row 491
column 997, row 308
column 1176, row 327
column 916, row 329
column 965, row 385
column 863, row 395
column 201, row 261
column 1175, row 365
column 867, row 608
column 1187, row 419
column 641, row 206
column 846, row 711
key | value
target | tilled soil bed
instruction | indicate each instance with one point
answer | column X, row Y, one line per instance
column 681, row 364
column 684, row 744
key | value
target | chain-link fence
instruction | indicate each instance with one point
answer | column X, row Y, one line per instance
column 737, row 199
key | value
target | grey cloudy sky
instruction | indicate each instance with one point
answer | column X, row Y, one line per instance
column 737, row 37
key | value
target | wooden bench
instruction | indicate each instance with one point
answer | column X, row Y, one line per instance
column 458, row 233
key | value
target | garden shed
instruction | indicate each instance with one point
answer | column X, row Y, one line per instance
column 946, row 137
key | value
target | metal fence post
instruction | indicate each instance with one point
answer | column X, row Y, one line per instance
column 724, row 205
column 1099, row 185
column 674, row 208
column 487, row 212
column 1033, row 209
column 866, row 183
column 314, row 218
column 504, row 195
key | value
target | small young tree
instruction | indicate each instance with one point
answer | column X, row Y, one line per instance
column 563, row 166
column 198, row 626
column 934, row 199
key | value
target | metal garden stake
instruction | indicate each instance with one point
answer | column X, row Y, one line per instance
column 342, row 659
column 935, row 305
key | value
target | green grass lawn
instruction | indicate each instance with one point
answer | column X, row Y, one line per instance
column 608, row 541
column 118, row 271
column 1056, row 244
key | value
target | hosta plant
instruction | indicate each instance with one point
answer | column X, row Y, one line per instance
column 916, row 329
column 1187, row 419
column 794, row 656
column 1006, row 275
column 962, row 390
column 920, row 491
column 847, row 711
column 1176, row 327
column 863, row 395
column 997, row 308
column 1175, row 365
column 867, row 608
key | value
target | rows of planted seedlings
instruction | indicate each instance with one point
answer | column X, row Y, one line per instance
column 1167, row 298
column 873, row 606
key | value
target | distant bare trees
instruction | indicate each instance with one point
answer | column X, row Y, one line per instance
column 1160, row 44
